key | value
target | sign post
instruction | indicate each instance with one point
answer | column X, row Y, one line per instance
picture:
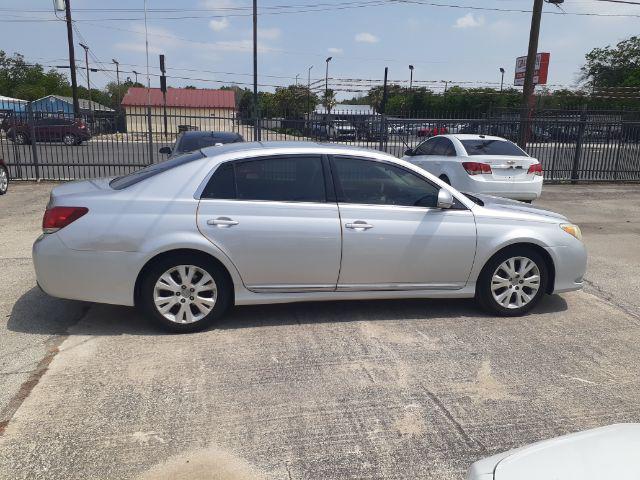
column 540, row 71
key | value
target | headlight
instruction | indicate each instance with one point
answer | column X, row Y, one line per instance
column 572, row 230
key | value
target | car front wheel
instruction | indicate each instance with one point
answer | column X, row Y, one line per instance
column 512, row 282
column 185, row 294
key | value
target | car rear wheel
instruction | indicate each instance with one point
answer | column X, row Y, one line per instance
column 69, row 139
column 185, row 294
column 20, row 138
column 512, row 282
column 4, row 180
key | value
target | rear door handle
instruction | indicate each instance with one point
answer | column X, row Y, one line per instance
column 359, row 225
column 222, row 222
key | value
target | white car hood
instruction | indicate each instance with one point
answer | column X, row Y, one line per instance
column 504, row 204
column 610, row 452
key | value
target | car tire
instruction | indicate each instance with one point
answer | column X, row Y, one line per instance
column 20, row 138
column 4, row 180
column 512, row 282
column 69, row 139
column 445, row 179
column 172, row 284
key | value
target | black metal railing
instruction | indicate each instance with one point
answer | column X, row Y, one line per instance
column 571, row 145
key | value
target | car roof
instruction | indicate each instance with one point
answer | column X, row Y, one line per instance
column 473, row 136
column 206, row 133
column 292, row 147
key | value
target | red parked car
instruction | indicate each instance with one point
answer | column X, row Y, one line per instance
column 431, row 131
column 46, row 129
column 4, row 177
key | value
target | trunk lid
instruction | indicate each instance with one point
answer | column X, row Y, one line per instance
column 79, row 187
column 506, row 167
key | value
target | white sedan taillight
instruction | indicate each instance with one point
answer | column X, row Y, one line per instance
column 535, row 168
column 59, row 217
column 476, row 168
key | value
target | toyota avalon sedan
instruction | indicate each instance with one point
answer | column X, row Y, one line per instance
column 258, row 223
column 480, row 164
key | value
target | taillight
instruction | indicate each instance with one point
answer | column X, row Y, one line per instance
column 59, row 217
column 535, row 168
column 476, row 168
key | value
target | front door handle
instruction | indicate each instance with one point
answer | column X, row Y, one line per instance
column 359, row 225
column 222, row 222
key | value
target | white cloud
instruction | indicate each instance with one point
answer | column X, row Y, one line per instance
column 335, row 50
column 366, row 37
column 469, row 21
column 219, row 25
column 269, row 33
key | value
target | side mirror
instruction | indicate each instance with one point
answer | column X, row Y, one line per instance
column 409, row 152
column 445, row 199
column 165, row 150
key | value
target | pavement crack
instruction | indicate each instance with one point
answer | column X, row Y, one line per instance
column 597, row 291
column 459, row 428
column 53, row 343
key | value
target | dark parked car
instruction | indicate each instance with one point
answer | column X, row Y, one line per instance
column 4, row 177
column 46, row 129
column 191, row 140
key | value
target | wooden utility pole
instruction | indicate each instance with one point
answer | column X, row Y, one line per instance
column 72, row 59
column 529, row 87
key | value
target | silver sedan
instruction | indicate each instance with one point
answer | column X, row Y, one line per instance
column 259, row 223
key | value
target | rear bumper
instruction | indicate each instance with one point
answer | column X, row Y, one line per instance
column 515, row 190
column 103, row 277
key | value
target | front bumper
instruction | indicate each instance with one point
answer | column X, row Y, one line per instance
column 570, row 266
column 103, row 277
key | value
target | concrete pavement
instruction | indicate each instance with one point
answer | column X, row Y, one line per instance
column 386, row 389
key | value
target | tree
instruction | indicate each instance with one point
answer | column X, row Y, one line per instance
column 329, row 100
column 294, row 101
column 613, row 66
column 28, row 82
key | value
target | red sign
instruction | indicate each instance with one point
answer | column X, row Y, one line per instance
column 539, row 73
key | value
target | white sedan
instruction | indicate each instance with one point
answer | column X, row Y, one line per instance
column 480, row 164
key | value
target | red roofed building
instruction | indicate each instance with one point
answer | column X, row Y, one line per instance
column 187, row 108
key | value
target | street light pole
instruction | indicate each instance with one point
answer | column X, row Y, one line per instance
column 501, row 78
column 297, row 75
column 256, row 126
column 309, row 88
column 117, row 92
column 529, row 87
column 136, row 74
column 410, row 77
column 86, row 61
column 326, row 78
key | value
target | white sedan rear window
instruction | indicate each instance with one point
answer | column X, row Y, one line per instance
column 492, row 147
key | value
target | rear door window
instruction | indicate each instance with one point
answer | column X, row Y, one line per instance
column 492, row 147
column 426, row 147
column 296, row 178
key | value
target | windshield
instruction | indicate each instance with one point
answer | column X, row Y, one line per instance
column 125, row 181
column 492, row 147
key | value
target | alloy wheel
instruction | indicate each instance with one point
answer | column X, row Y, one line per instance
column 20, row 138
column 185, row 294
column 69, row 139
column 515, row 283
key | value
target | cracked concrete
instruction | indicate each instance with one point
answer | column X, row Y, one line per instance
column 366, row 390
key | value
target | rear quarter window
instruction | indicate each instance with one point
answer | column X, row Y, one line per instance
column 492, row 147
column 125, row 181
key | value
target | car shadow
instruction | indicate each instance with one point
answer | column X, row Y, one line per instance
column 36, row 312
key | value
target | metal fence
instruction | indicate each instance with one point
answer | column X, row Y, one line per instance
column 48, row 145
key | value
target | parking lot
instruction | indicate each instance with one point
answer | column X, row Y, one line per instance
column 343, row 390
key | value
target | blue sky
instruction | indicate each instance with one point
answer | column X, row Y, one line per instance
column 444, row 44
